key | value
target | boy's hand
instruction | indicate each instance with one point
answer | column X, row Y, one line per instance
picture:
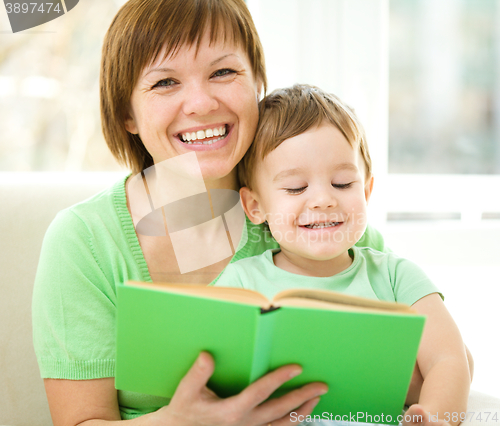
column 418, row 416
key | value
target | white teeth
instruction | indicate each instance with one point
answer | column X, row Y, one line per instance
column 322, row 225
column 203, row 134
column 210, row 142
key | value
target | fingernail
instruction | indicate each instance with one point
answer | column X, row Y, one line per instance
column 322, row 392
column 295, row 372
column 202, row 362
column 315, row 403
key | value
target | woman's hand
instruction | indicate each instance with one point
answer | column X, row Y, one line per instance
column 95, row 402
column 194, row 404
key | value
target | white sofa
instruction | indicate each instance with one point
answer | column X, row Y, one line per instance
column 28, row 203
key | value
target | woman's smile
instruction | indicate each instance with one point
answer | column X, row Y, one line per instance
column 205, row 138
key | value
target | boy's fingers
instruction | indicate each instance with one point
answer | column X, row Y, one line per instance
column 415, row 415
column 197, row 377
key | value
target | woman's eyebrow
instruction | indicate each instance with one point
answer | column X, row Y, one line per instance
column 159, row 70
column 222, row 58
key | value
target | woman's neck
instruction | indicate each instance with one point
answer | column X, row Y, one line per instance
column 227, row 182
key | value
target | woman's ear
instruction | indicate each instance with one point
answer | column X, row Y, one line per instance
column 260, row 88
column 368, row 189
column 130, row 124
column 251, row 205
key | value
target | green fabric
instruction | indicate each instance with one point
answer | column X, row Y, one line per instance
column 372, row 274
column 88, row 249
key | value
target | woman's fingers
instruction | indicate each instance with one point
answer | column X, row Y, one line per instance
column 297, row 416
column 195, row 404
column 301, row 399
column 196, row 378
column 263, row 388
column 252, row 398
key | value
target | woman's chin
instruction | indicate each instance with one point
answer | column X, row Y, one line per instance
column 219, row 175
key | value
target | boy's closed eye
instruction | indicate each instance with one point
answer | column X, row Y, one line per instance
column 300, row 190
column 342, row 185
column 295, row 191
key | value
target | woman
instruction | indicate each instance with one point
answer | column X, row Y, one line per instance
column 170, row 68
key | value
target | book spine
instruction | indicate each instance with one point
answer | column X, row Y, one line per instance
column 263, row 344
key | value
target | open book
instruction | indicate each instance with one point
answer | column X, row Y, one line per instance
column 365, row 350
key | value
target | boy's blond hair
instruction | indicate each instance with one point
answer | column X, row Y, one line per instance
column 288, row 112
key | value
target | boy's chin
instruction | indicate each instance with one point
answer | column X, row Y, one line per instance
column 323, row 255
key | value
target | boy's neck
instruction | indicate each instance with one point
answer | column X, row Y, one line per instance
column 312, row 268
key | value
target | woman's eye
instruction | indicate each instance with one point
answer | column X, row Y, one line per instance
column 342, row 185
column 295, row 190
column 166, row 82
column 223, row 72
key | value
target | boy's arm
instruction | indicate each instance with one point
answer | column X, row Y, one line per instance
column 417, row 380
column 442, row 361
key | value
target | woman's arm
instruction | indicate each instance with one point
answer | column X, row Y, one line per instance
column 95, row 403
column 442, row 360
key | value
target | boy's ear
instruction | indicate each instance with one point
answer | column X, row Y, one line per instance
column 368, row 189
column 251, row 205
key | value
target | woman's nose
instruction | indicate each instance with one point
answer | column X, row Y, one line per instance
column 199, row 100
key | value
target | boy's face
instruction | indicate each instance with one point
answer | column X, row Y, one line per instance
column 312, row 192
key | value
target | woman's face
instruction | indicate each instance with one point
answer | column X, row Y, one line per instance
column 204, row 101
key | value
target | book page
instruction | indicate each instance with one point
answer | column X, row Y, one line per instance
column 301, row 302
column 232, row 294
column 308, row 296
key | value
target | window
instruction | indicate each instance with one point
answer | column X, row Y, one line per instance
column 444, row 98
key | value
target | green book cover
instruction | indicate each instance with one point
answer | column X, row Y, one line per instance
column 365, row 355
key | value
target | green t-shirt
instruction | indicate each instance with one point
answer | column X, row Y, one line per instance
column 88, row 249
column 372, row 274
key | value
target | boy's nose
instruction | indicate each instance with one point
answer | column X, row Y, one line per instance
column 199, row 100
column 323, row 199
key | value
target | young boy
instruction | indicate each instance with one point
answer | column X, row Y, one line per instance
column 308, row 175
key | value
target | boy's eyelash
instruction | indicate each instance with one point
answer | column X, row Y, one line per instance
column 295, row 190
column 341, row 185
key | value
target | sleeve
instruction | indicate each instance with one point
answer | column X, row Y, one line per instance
column 230, row 277
column 73, row 305
column 410, row 283
column 373, row 238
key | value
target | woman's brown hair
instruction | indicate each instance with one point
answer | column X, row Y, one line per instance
column 139, row 32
